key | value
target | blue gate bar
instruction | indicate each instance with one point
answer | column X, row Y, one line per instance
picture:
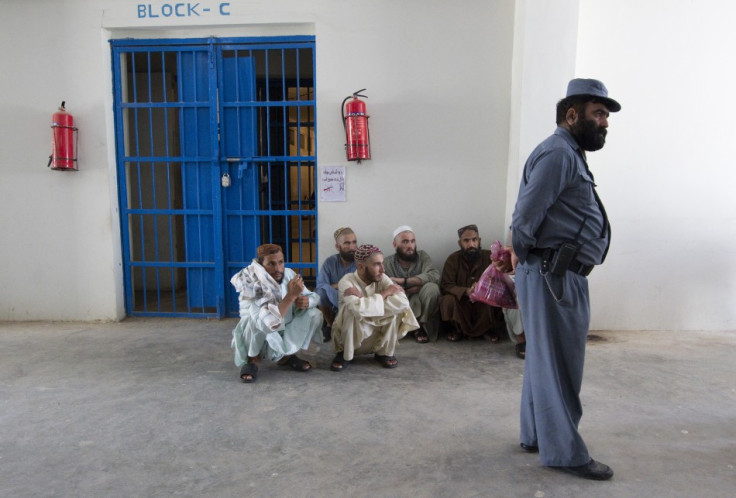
column 176, row 220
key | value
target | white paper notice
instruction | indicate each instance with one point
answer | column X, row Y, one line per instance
column 332, row 184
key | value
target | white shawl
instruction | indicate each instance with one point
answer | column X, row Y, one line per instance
column 254, row 284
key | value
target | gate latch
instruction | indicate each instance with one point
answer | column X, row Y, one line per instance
column 243, row 164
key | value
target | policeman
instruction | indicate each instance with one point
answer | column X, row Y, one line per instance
column 559, row 232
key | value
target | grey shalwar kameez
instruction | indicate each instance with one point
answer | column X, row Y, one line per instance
column 557, row 203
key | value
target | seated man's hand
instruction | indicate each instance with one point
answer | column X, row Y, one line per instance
column 470, row 289
column 413, row 290
column 353, row 291
column 295, row 287
column 391, row 290
column 302, row 302
column 504, row 265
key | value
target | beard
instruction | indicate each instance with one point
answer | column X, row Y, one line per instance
column 370, row 277
column 278, row 277
column 347, row 256
column 408, row 258
column 588, row 136
column 471, row 254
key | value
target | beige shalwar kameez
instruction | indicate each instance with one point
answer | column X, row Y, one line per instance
column 370, row 324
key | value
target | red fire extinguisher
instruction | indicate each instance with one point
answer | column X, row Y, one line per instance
column 355, row 121
column 64, row 141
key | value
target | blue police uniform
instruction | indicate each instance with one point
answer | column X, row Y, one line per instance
column 557, row 204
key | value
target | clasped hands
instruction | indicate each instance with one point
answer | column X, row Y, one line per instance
column 388, row 291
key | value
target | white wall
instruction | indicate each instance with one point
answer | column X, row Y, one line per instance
column 541, row 71
column 58, row 242
column 438, row 80
column 667, row 174
column 458, row 96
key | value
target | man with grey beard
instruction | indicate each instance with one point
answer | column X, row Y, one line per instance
column 413, row 270
column 333, row 269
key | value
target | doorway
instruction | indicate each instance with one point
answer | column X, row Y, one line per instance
column 215, row 146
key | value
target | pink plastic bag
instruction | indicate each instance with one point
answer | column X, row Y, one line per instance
column 495, row 287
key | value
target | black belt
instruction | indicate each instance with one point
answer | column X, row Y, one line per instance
column 575, row 267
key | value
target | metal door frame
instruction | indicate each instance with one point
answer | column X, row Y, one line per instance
column 210, row 158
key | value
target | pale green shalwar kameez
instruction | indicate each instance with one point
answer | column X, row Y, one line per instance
column 425, row 303
column 262, row 331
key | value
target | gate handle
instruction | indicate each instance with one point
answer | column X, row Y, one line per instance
column 244, row 163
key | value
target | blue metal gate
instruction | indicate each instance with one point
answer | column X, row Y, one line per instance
column 215, row 145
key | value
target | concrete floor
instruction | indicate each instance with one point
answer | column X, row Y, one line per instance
column 154, row 407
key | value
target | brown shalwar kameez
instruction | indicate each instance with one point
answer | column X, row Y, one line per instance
column 472, row 319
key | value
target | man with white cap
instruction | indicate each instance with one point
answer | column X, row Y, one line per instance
column 559, row 232
column 412, row 269
column 374, row 313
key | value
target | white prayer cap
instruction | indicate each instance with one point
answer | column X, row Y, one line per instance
column 402, row 228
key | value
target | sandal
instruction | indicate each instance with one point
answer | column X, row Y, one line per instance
column 339, row 364
column 454, row 336
column 493, row 338
column 520, row 350
column 421, row 336
column 386, row 361
column 298, row 364
column 249, row 373
column 326, row 334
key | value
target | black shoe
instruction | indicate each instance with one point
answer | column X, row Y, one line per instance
column 592, row 470
column 520, row 349
column 529, row 448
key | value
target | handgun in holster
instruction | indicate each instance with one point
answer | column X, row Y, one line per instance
column 563, row 258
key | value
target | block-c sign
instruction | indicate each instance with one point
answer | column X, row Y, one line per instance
column 184, row 9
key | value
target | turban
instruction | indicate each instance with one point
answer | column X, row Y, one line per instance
column 340, row 231
column 364, row 252
column 466, row 227
column 267, row 249
column 402, row 228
